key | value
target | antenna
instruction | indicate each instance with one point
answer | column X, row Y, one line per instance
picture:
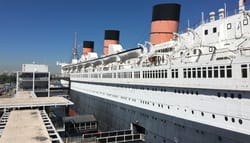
column 202, row 18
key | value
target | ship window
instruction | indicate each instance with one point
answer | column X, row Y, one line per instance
column 244, row 71
column 214, row 30
column 233, row 120
column 176, row 73
column 229, row 71
column 189, row 72
column 209, row 72
column 229, row 26
column 232, row 95
column 162, row 73
column 166, row 73
column 218, row 94
column 245, row 21
column 213, row 116
column 194, row 72
column 215, row 72
column 185, row 73
column 226, row 119
column 206, row 32
column 194, row 51
column 222, row 71
column 199, row 72
column 204, row 72
column 196, row 92
column 202, row 114
column 225, row 95
column 240, row 121
column 239, row 96
column 172, row 73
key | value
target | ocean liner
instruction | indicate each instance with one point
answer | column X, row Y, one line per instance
column 191, row 87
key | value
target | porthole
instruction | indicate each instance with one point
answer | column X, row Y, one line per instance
column 202, row 114
column 219, row 138
column 192, row 92
column 240, row 121
column 168, row 107
column 192, row 111
column 233, row 120
column 213, row 116
column 226, row 119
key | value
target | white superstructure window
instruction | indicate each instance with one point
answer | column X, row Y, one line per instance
column 244, row 71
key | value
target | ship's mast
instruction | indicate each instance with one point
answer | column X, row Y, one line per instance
column 74, row 60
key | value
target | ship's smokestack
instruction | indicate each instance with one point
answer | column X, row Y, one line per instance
column 88, row 46
column 110, row 37
column 165, row 21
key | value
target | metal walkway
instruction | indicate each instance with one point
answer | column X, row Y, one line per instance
column 54, row 136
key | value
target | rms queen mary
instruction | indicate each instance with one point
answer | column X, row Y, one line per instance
column 191, row 87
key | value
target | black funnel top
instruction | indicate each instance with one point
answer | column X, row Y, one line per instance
column 166, row 12
column 111, row 35
column 88, row 44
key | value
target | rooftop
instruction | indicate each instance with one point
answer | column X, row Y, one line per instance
column 25, row 126
column 27, row 99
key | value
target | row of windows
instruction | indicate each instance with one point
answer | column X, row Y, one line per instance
column 155, row 74
column 198, row 72
column 208, row 72
column 229, row 26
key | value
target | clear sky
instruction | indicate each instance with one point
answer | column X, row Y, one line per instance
column 42, row 30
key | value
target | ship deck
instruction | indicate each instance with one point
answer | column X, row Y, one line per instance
column 25, row 126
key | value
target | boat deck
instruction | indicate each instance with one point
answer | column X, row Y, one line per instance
column 25, row 126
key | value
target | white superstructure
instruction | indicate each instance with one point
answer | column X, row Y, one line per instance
column 202, row 75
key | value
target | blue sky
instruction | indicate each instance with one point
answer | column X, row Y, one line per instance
column 42, row 30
